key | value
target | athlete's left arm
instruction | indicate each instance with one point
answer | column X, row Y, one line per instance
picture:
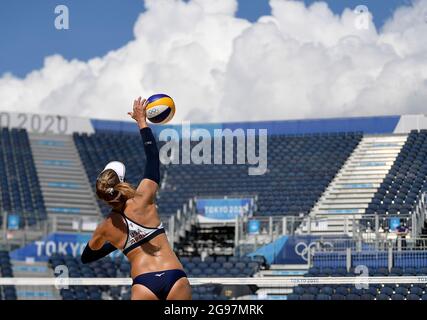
column 97, row 247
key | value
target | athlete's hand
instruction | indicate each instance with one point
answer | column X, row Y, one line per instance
column 138, row 113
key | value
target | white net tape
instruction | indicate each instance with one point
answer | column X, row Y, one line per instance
column 259, row 281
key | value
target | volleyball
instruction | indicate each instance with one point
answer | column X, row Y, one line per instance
column 160, row 108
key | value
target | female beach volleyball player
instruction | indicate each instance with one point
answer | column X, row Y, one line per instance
column 134, row 225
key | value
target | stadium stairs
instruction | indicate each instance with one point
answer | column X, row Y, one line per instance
column 351, row 191
column 279, row 291
column 36, row 270
column 64, row 183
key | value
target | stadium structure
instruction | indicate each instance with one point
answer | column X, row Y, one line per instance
column 324, row 222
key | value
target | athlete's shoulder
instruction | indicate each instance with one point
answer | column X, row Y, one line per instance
column 113, row 217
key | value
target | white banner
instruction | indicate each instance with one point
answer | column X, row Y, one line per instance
column 45, row 123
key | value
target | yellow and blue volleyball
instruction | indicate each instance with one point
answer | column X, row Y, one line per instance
column 160, row 108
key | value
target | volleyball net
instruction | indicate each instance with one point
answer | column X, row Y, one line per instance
column 248, row 288
column 257, row 281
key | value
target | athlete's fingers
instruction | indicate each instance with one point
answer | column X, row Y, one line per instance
column 144, row 104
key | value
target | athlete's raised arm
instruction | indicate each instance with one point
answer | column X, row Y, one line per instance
column 146, row 191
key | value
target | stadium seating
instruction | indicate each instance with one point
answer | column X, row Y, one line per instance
column 299, row 170
column 406, row 262
column 6, row 292
column 20, row 188
column 406, row 180
column 208, row 292
column 98, row 149
column 414, row 291
column 221, row 266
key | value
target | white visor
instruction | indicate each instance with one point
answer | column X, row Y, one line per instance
column 118, row 168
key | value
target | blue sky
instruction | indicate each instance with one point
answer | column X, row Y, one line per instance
column 27, row 34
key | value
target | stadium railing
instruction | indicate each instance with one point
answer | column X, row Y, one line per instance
column 385, row 253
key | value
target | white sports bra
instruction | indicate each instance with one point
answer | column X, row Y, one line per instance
column 139, row 234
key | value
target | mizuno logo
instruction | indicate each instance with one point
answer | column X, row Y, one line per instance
column 159, row 274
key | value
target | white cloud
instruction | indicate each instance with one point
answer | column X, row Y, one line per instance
column 300, row 62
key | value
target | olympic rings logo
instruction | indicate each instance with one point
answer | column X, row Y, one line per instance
column 152, row 112
column 302, row 249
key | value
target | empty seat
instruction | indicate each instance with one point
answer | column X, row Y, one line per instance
column 397, row 297
column 387, row 291
column 413, row 297
column 383, row 297
column 307, row 296
column 299, row 290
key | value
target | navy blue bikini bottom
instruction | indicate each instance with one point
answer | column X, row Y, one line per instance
column 161, row 282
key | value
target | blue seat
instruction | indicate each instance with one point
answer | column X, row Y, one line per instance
column 184, row 260
column 221, row 259
column 312, row 290
column 209, row 259
column 233, row 259
column 342, row 290
column 327, row 290
column 227, row 265
column 215, row 265
column 397, row 297
column 196, row 272
column 247, row 272
column 356, row 290
column 401, row 291
column 221, row 272
column 209, row 272
column 367, row 296
column 396, row 271
column 240, row 265
column 417, row 291
column 413, row 297
column 95, row 296
column 387, row 291
column 202, row 265
column 410, row 272
column 307, row 296
column 299, row 290
column 189, row 265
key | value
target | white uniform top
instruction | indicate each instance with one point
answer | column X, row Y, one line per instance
column 139, row 234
